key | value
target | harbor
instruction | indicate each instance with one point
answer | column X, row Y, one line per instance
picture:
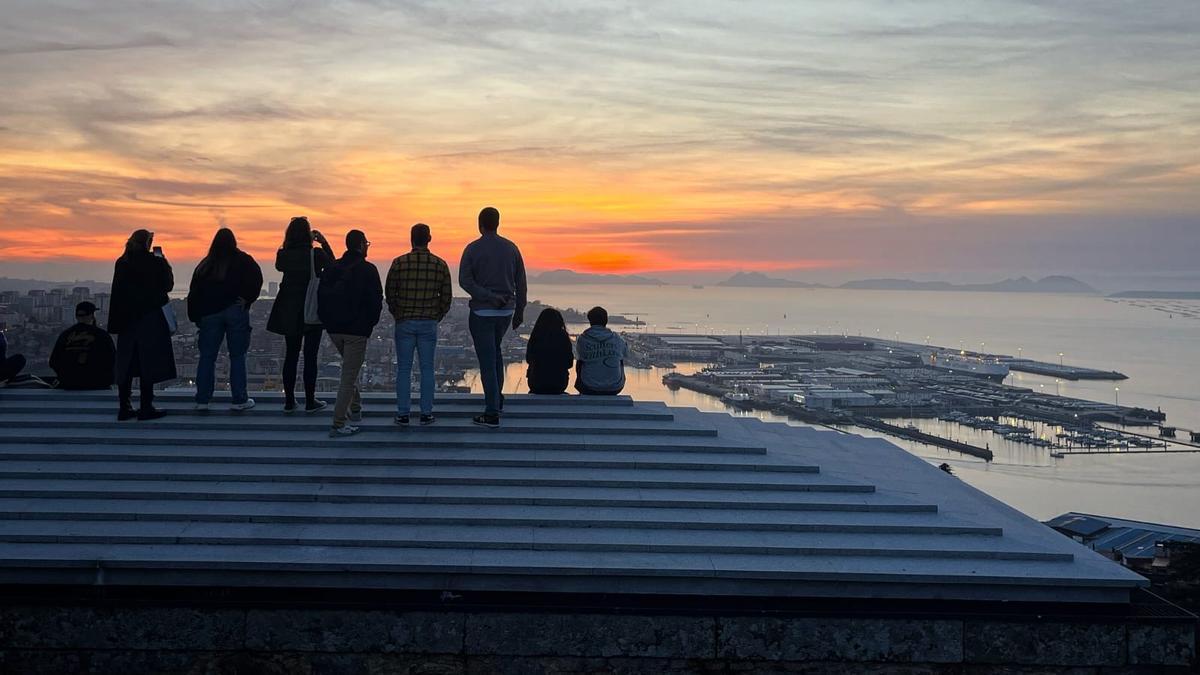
column 890, row 386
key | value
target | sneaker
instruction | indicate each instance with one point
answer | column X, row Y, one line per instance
column 151, row 413
column 243, row 406
column 289, row 407
column 347, row 430
column 315, row 406
column 202, row 407
column 355, row 416
column 427, row 420
column 401, row 420
column 489, row 421
column 126, row 414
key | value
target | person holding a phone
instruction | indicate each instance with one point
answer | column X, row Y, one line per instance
column 142, row 280
column 304, row 254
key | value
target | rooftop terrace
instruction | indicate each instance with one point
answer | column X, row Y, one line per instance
column 572, row 495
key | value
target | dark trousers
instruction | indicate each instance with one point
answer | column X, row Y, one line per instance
column 593, row 392
column 311, row 341
column 10, row 366
column 487, row 332
column 125, row 389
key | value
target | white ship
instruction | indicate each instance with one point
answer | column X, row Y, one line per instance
column 978, row 366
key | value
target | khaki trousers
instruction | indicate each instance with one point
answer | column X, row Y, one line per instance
column 353, row 349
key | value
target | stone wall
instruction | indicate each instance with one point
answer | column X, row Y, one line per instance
column 207, row 640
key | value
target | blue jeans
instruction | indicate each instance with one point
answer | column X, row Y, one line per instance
column 232, row 325
column 418, row 335
column 487, row 332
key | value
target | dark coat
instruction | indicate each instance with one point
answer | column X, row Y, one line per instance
column 144, row 350
column 141, row 282
column 84, row 358
column 549, row 360
column 214, row 292
column 361, row 301
column 287, row 312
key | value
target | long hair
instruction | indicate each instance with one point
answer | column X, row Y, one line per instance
column 138, row 242
column 549, row 327
column 298, row 234
column 220, row 253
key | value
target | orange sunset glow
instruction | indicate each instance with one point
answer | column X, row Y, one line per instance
column 616, row 139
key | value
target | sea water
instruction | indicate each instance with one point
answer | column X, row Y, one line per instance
column 1155, row 343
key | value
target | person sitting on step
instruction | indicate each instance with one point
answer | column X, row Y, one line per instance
column 600, row 355
column 549, row 354
column 84, row 356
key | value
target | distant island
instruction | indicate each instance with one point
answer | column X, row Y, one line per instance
column 760, row 280
column 569, row 277
column 26, row 285
column 1051, row 284
column 1158, row 295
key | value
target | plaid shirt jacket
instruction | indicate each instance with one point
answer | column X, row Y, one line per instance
column 418, row 286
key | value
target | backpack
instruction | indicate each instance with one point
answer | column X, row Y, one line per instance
column 335, row 299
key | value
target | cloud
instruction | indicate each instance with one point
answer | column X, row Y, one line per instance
column 692, row 134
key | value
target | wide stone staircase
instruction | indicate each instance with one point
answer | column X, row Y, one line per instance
column 572, row 494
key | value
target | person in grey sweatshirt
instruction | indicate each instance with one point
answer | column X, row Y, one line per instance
column 600, row 357
column 493, row 274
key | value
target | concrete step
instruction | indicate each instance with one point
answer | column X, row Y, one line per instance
column 427, row 568
column 534, row 515
column 964, row 546
column 276, row 397
column 385, row 410
column 243, row 422
column 421, row 475
column 582, row 459
column 135, row 434
column 477, row 495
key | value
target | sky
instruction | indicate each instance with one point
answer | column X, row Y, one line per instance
column 814, row 140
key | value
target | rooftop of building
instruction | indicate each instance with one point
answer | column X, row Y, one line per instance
column 572, row 495
column 1132, row 539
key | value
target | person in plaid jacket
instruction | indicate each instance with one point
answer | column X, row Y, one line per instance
column 418, row 296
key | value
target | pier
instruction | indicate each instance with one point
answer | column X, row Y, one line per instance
column 799, row 413
column 922, row 437
column 1060, row 371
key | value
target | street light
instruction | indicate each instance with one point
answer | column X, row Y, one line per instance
column 1116, row 396
column 1056, row 391
column 1060, row 363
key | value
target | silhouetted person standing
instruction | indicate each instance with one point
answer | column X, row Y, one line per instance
column 351, row 299
column 84, row 355
column 300, row 262
column 224, row 285
column 549, row 354
column 601, row 353
column 418, row 296
column 493, row 274
column 10, row 364
column 141, row 281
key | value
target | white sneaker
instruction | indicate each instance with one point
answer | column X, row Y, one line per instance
column 243, row 406
column 346, row 430
column 202, row 406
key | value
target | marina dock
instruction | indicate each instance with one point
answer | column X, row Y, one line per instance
column 1063, row 372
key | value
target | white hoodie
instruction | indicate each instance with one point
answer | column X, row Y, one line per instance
column 601, row 354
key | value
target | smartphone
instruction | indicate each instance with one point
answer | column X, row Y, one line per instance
column 157, row 251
